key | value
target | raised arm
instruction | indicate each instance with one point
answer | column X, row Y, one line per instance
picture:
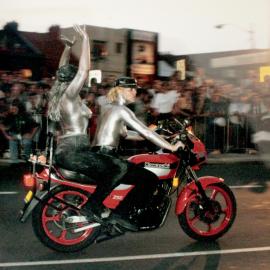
column 64, row 60
column 132, row 121
column 77, row 83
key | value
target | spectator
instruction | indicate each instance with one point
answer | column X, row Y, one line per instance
column 141, row 105
column 200, row 103
column 91, row 103
column 238, row 109
column 35, row 106
column 199, row 77
column 19, row 129
column 17, row 92
column 262, row 136
column 163, row 102
column 3, row 115
column 102, row 100
column 183, row 107
column 216, row 111
column 5, row 82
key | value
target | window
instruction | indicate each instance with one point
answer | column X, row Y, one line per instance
column 141, row 48
column 118, row 47
column 99, row 50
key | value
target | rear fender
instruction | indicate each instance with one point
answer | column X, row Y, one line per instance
column 190, row 189
column 28, row 208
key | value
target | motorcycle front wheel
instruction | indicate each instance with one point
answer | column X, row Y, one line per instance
column 49, row 221
column 209, row 222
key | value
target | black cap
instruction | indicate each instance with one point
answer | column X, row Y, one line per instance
column 126, row 82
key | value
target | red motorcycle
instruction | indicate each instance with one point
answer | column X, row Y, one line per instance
column 205, row 206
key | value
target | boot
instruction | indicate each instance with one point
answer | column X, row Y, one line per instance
column 102, row 214
column 123, row 222
column 95, row 212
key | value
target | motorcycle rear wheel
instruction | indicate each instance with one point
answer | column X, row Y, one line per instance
column 50, row 226
column 203, row 224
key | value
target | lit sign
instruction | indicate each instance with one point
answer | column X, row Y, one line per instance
column 181, row 67
column 143, row 69
column 264, row 70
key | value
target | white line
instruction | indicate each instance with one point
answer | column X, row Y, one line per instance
column 247, row 186
column 8, row 192
column 136, row 257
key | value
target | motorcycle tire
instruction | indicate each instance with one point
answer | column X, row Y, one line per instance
column 49, row 222
column 203, row 224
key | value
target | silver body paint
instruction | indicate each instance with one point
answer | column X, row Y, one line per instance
column 113, row 124
column 74, row 115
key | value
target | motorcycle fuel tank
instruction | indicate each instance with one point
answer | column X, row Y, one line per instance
column 163, row 165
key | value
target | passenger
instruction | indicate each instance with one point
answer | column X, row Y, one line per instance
column 73, row 150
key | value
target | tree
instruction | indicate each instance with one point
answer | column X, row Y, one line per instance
column 11, row 26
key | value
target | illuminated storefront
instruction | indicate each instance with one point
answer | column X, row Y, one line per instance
column 142, row 54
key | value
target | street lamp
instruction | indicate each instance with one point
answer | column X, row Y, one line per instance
column 250, row 31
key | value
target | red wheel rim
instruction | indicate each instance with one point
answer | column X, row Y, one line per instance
column 209, row 229
column 52, row 219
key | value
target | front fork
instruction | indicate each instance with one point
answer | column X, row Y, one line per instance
column 192, row 175
column 197, row 185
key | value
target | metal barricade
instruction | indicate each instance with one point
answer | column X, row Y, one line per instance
column 227, row 136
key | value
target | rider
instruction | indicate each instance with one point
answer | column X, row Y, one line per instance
column 112, row 124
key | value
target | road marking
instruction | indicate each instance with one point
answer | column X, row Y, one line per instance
column 8, row 192
column 136, row 257
column 246, row 186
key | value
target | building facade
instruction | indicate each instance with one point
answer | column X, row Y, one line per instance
column 231, row 66
column 118, row 52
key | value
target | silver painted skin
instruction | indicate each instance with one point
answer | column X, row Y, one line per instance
column 74, row 113
column 113, row 124
column 75, row 116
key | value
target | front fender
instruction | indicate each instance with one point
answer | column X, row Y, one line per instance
column 28, row 208
column 190, row 188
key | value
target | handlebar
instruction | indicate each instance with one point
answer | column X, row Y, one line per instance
column 175, row 131
column 173, row 126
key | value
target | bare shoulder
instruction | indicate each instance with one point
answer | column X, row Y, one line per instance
column 125, row 110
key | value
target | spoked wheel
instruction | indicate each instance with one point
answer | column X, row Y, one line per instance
column 51, row 225
column 209, row 221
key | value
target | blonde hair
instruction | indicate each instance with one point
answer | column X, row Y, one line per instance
column 112, row 95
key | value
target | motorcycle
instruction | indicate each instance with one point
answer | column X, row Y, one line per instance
column 205, row 206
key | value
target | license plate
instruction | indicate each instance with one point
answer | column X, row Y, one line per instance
column 28, row 196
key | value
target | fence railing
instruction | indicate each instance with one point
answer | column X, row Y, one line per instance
column 224, row 134
column 228, row 133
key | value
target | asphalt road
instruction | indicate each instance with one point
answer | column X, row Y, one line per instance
column 245, row 246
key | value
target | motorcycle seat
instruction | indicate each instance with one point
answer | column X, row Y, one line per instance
column 76, row 177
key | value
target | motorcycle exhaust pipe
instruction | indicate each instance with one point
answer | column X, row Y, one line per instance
column 76, row 219
column 90, row 226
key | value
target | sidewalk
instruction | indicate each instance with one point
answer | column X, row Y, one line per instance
column 233, row 158
column 211, row 159
column 7, row 162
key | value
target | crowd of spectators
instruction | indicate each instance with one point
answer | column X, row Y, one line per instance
column 223, row 115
